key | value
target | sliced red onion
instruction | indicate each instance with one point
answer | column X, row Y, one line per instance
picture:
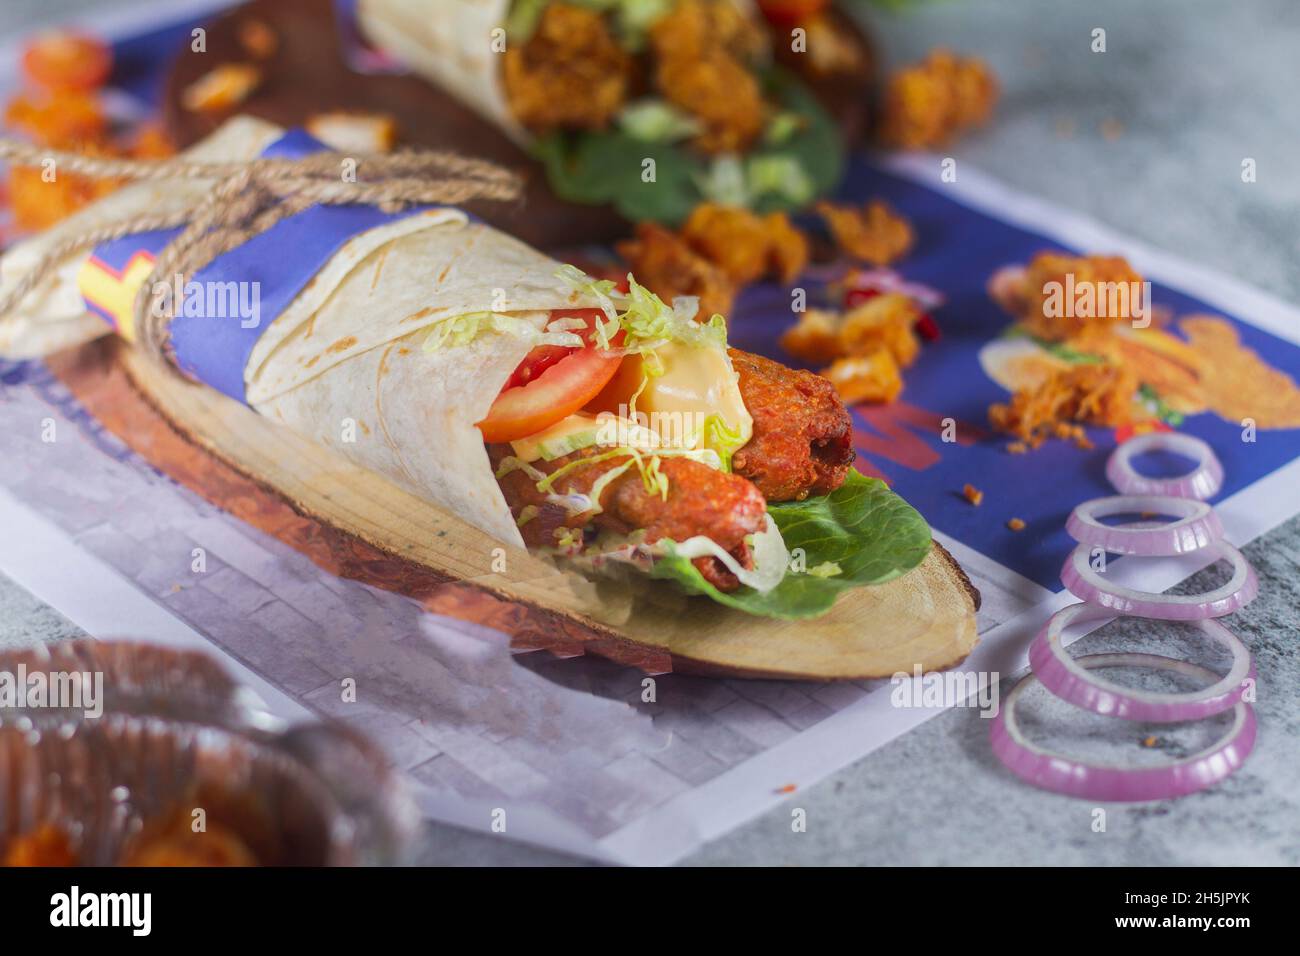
column 1196, row 526
column 1202, row 482
column 1086, row 584
column 1064, row 677
column 1062, row 774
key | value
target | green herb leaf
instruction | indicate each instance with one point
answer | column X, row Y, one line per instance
column 865, row 530
column 607, row 166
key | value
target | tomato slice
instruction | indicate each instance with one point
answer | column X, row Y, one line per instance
column 65, row 60
column 551, row 383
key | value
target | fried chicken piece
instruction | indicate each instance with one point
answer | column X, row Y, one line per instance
column 788, row 250
column 1098, row 394
column 815, row 338
column 667, row 265
column 699, row 28
column 867, row 347
column 732, row 238
column 803, row 438
column 744, row 245
column 1049, row 312
column 874, row 233
column 571, row 74
column 700, row 501
column 930, row 103
column 702, row 52
column 872, row 378
column 882, row 322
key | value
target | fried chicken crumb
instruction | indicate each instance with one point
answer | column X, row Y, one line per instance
column 1015, row 524
column 932, row 102
column 972, row 494
column 1099, row 394
column 571, row 74
column 668, row 266
column 874, row 233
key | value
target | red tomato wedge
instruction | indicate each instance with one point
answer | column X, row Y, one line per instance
column 64, row 60
column 551, row 383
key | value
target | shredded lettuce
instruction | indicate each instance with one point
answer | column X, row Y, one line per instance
column 723, row 439
column 782, row 176
column 657, row 121
column 460, row 330
column 645, row 319
column 724, row 182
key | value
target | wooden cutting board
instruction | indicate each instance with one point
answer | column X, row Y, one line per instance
column 353, row 523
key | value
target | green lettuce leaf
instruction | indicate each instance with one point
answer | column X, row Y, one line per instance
column 862, row 530
column 605, row 167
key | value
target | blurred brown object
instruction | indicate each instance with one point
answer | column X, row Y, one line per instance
column 932, row 102
column 153, row 756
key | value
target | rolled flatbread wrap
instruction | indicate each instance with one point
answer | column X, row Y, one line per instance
column 343, row 363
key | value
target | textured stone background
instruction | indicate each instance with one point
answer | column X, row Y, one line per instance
column 1148, row 138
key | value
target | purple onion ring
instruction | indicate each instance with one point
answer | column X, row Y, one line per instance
column 1202, row 482
column 1064, row 677
column 1196, row 525
column 1062, row 774
column 1088, row 585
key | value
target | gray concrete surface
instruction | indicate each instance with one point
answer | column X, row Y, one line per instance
column 1149, row 138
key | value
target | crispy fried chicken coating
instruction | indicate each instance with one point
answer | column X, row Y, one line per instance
column 668, row 266
column 866, row 347
column 1109, row 282
column 803, row 438
column 701, row 49
column 744, row 245
column 1098, row 394
column 571, row 74
column 700, row 501
column 930, row 103
column 873, row 233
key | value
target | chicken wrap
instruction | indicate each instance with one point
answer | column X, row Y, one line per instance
column 651, row 105
column 583, row 418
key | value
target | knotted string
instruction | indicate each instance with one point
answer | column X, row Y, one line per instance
column 247, row 199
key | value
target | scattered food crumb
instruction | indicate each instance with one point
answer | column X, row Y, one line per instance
column 873, row 233
column 222, row 88
column 354, row 133
column 788, row 788
column 1149, row 742
column 1017, row 448
column 972, row 494
column 258, row 39
column 1015, row 524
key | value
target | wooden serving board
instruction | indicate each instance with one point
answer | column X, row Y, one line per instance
column 353, row 523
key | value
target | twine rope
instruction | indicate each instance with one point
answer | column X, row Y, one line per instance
column 247, row 199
